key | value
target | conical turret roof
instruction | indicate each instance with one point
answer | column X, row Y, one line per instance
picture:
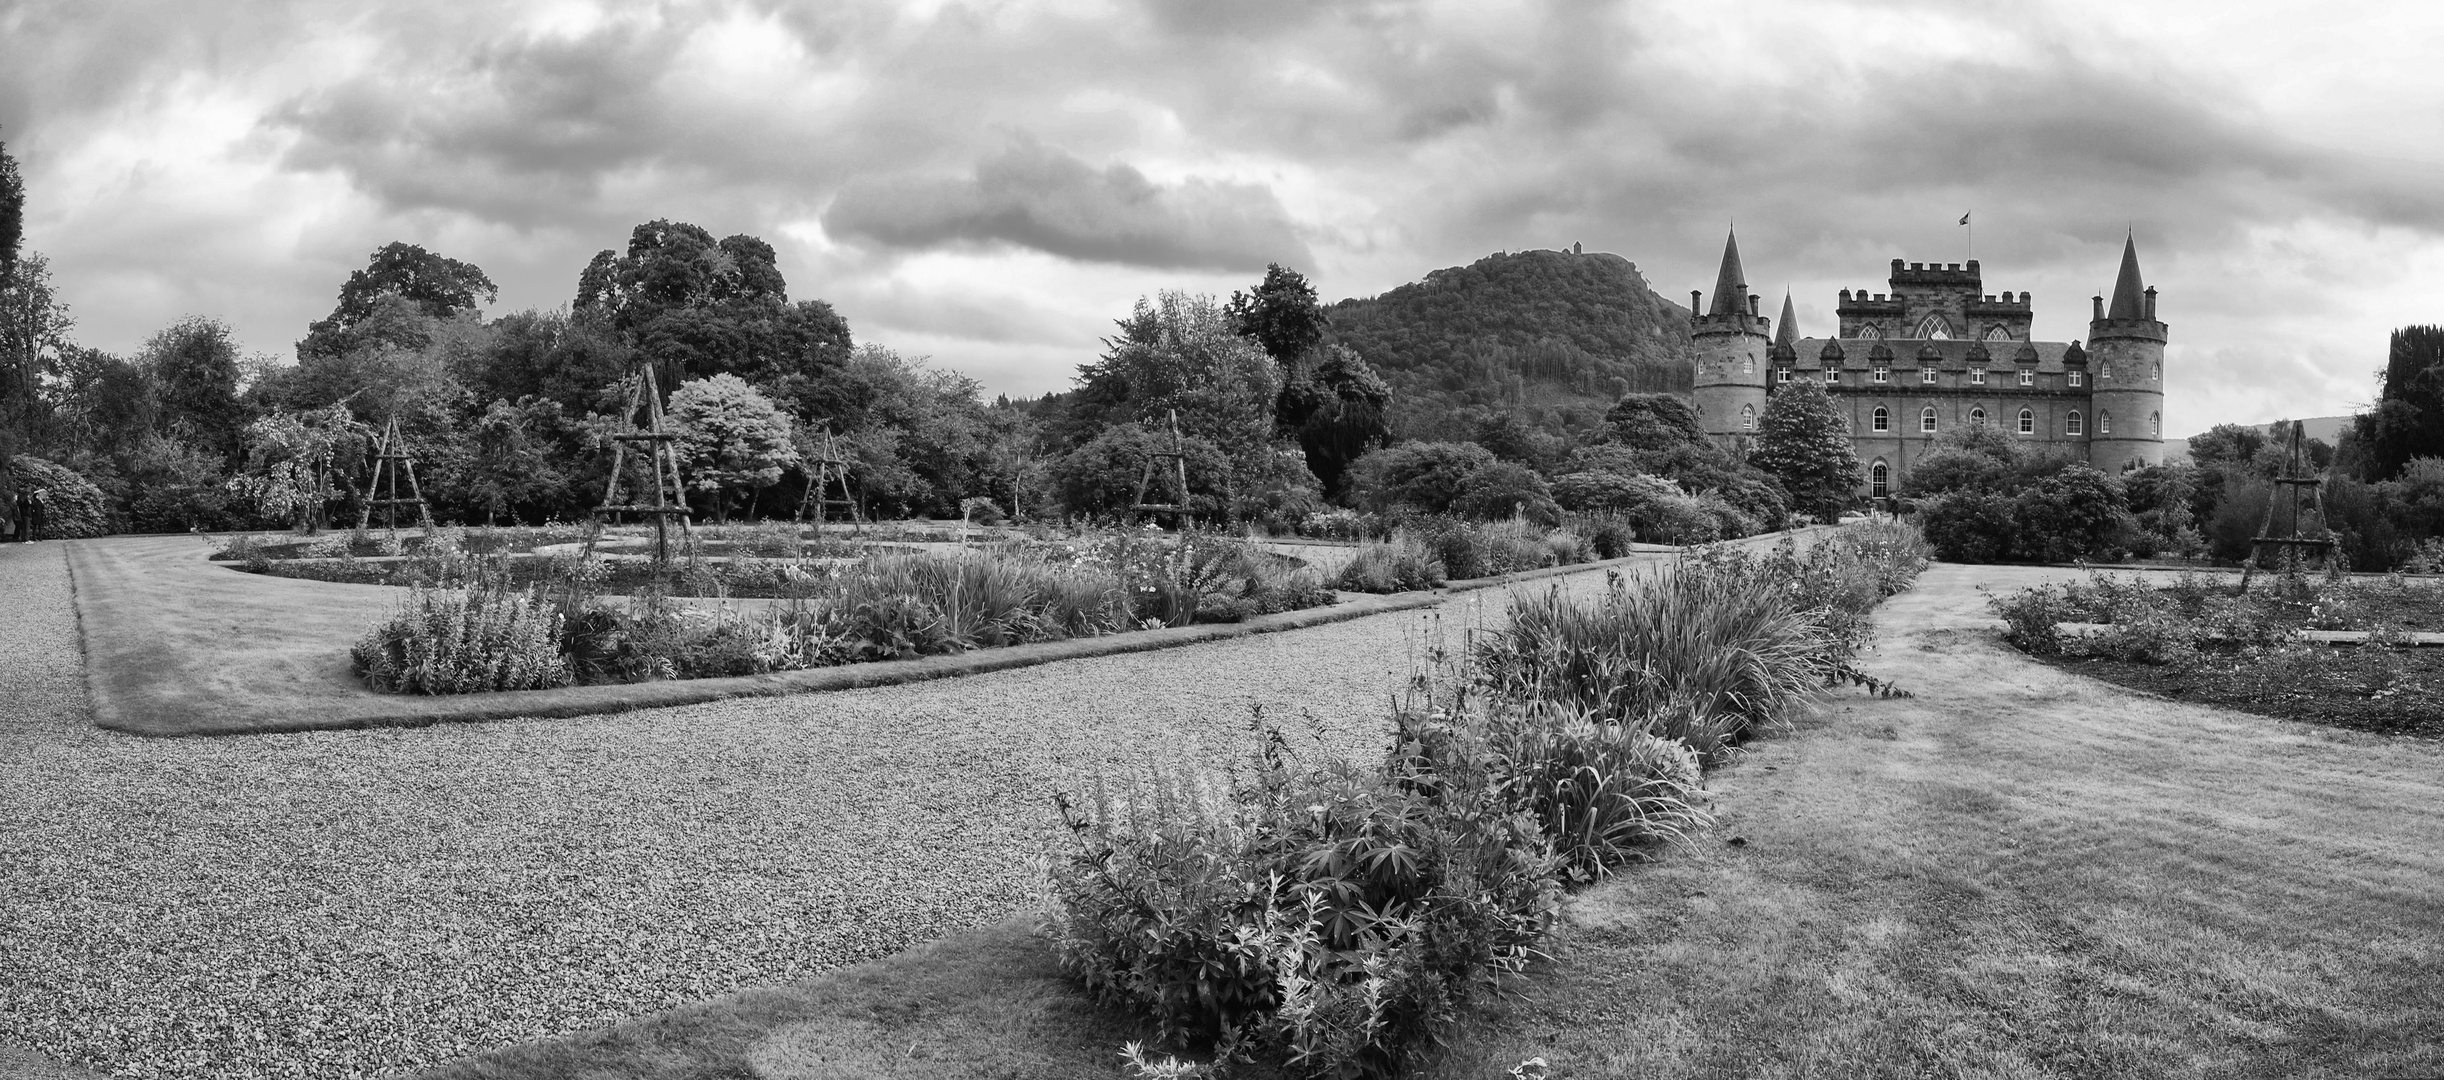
column 1731, row 283
column 1787, row 331
column 2129, row 292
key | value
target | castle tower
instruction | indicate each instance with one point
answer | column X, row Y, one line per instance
column 1730, row 340
column 2126, row 358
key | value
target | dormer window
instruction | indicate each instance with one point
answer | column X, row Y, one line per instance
column 1926, row 375
column 1782, row 374
column 1880, row 375
column 2077, row 377
column 2028, row 378
column 1832, row 375
column 1977, row 376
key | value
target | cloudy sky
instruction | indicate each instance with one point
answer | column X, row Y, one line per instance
column 990, row 184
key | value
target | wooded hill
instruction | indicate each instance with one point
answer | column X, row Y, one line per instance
column 1553, row 337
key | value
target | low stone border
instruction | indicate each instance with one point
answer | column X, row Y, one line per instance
column 118, row 651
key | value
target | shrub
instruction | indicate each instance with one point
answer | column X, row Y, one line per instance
column 68, row 506
column 1402, row 564
column 1330, row 918
column 1609, row 535
column 2075, row 513
column 477, row 638
column 1505, row 489
column 1425, row 476
column 1970, row 527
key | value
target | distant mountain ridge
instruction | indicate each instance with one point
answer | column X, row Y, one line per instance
column 2326, row 429
column 1552, row 336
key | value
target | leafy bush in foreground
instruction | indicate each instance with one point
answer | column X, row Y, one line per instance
column 1400, row 565
column 476, row 638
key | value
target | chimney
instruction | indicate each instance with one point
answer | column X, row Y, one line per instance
column 2150, row 303
column 2100, row 310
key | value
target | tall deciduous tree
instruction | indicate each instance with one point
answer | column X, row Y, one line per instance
column 194, row 365
column 16, row 376
column 1804, row 442
column 1281, row 316
column 731, row 438
column 700, row 307
column 1343, row 411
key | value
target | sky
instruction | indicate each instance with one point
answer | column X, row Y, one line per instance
column 991, row 184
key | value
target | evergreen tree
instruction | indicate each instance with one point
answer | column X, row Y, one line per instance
column 1803, row 440
column 1282, row 316
column 2408, row 421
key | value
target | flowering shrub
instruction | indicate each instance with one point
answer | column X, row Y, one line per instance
column 472, row 639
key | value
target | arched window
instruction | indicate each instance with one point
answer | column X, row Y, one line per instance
column 2159, row 371
column 2073, row 424
column 1996, row 333
column 1879, row 480
column 2155, row 425
column 1748, row 418
column 1871, row 330
column 2104, row 370
column 2104, row 423
column 2028, row 422
column 1882, row 420
column 1926, row 419
column 1977, row 418
column 1935, row 327
column 1749, row 365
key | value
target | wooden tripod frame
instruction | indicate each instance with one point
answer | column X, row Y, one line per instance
column 390, row 459
column 1177, row 456
column 2288, row 494
column 662, row 459
column 831, row 467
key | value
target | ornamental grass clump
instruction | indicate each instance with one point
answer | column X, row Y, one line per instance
column 1691, row 654
column 1401, row 564
column 478, row 637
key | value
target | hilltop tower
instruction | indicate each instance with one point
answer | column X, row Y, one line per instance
column 2126, row 353
column 1730, row 340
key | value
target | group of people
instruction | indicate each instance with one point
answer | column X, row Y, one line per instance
column 21, row 517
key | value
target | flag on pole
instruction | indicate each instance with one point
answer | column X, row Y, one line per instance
column 1964, row 219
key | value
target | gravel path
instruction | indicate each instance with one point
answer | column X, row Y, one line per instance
column 340, row 904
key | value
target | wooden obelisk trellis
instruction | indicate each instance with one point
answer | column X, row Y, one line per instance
column 831, row 468
column 1177, row 459
column 390, row 461
column 2289, row 490
column 669, row 497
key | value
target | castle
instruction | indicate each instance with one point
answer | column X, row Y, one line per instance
column 1937, row 353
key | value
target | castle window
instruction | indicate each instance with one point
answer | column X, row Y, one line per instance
column 1977, row 376
column 1935, row 327
column 1996, row 333
column 2028, row 422
column 2077, row 377
column 1977, row 418
column 1879, row 479
column 1782, row 375
column 1926, row 375
column 2159, row 371
column 1748, row 366
column 1871, row 330
column 1926, row 420
column 1748, row 418
column 1832, row 375
column 1882, row 420
column 2104, row 423
column 2155, row 425
column 1880, row 374
column 2104, row 371
column 2073, row 425
column 2028, row 378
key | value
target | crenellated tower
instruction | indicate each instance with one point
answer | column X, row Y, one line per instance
column 1731, row 343
column 2125, row 355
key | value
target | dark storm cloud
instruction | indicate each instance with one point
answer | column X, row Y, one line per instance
column 1037, row 197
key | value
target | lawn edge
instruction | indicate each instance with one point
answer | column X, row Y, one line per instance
column 112, row 714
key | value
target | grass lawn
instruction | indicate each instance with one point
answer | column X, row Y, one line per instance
column 2015, row 873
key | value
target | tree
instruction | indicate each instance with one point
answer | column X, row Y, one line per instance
column 12, row 214
column 730, row 437
column 1804, row 442
column 1282, row 315
column 512, row 464
column 1179, row 353
column 2227, row 444
column 436, row 286
column 1342, row 410
column 1102, row 476
column 1424, row 476
column 2077, row 513
column 2408, row 421
column 1505, row 488
column 194, row 365
column 1653, row 422
column 291, row 461
column 699, row 307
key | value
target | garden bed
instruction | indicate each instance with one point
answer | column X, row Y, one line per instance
column 2344, row 652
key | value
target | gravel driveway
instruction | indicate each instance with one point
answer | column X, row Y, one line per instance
column 339, row 904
